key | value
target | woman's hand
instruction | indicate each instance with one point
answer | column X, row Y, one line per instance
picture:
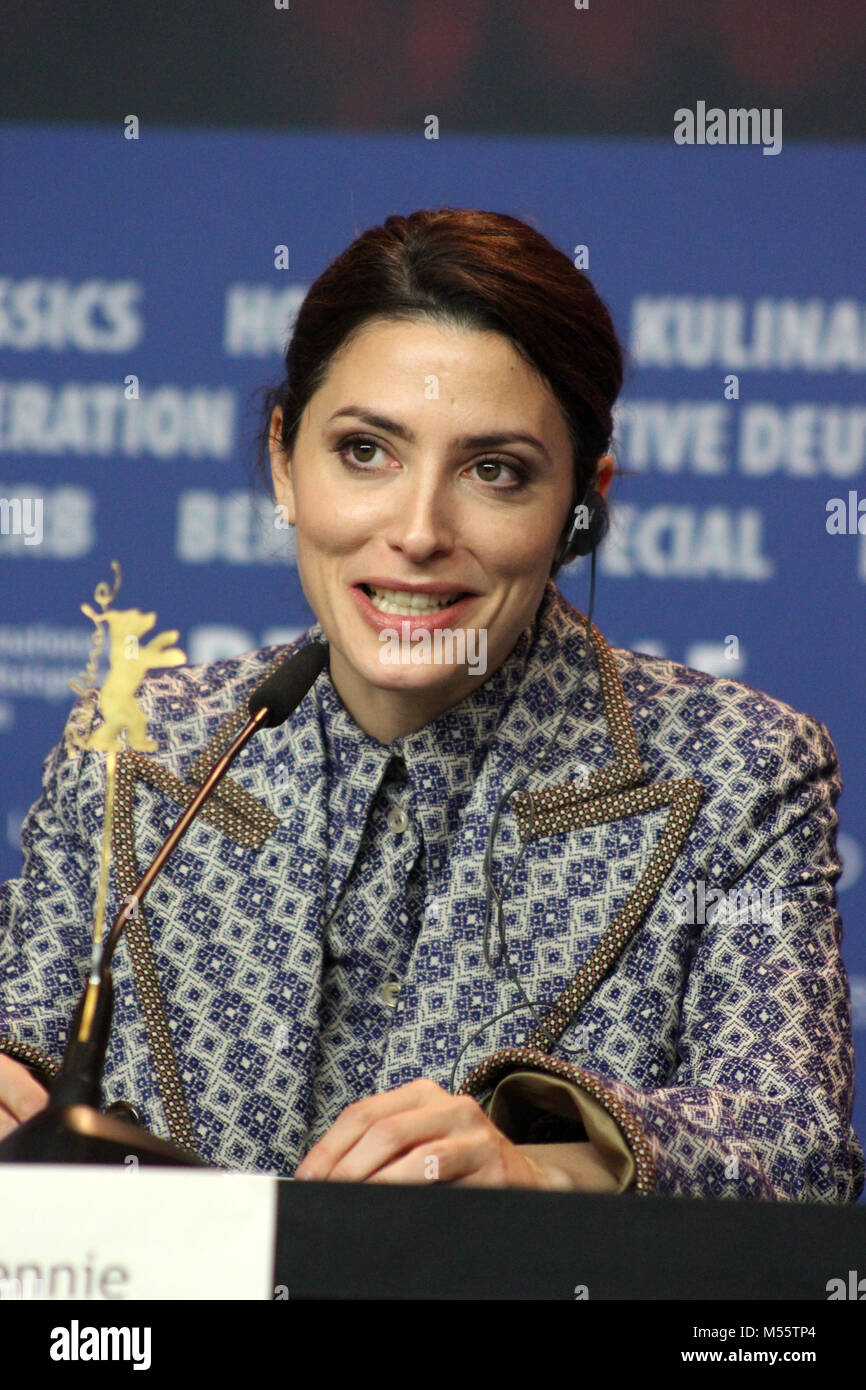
column 21, row 1096
column 422, row 1133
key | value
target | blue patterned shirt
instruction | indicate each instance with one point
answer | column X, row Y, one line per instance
column 393, row 815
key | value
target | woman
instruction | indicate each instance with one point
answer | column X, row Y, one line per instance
column 318, row 985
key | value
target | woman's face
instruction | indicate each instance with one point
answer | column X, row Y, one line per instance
column 397, row 486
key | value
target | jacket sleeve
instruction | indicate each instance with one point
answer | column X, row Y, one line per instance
column 533, row 1108
column 759, row 1101
column 46, row 920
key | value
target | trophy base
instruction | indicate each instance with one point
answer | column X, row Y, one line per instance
column 79, row 1134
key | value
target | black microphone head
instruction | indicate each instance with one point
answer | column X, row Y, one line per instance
column 284, row 690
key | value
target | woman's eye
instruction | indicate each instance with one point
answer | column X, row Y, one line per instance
column 353, row 443
column 490, row 470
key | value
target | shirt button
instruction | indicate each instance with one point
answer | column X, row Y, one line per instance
column 390, row 993
column 397, row 821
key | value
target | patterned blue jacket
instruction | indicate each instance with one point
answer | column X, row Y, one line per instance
column 673, row 915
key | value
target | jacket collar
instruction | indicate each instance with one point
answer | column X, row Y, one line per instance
column 511, row 717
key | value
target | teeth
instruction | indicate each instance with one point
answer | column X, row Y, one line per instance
column 402, row 601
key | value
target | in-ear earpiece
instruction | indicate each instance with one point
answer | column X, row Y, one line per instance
column 588, row 527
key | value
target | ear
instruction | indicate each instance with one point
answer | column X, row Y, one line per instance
column 605, row 473
column 281, row 467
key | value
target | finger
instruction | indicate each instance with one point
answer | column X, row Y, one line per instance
column 8, row 1122
column 358, row 1117
column 397, row 1134
column 22, row 1095
column 459, row 1158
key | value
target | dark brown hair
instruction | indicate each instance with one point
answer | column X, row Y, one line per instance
column 472, row 270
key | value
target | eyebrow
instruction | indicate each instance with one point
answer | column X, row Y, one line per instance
column 466, row 441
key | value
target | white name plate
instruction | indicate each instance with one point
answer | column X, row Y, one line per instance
column 88, row 1231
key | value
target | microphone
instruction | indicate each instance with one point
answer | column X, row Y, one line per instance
column 281, row 693
column 70, row 1129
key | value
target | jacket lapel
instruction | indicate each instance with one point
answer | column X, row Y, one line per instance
column 640, row 825
column 245, row 890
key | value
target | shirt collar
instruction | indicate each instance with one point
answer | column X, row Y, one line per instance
column 443, row 756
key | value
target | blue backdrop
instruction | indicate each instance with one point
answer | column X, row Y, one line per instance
column 735, row 281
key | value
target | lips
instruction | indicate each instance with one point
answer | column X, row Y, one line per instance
column 419, row 615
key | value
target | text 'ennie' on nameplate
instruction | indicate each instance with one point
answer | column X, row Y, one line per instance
column 98, row 1232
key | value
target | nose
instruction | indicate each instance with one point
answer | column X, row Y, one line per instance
column 421, row 522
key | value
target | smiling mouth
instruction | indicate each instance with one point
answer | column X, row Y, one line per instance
column 403, row 601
